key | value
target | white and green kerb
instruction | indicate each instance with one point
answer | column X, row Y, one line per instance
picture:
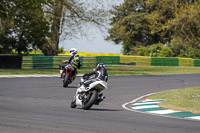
column 151, row 106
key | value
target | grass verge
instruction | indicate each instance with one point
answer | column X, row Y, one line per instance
column 112, row 70
column 187, row 99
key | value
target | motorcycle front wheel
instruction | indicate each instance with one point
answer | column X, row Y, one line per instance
column 73, row 104
column 93, row 97
column 65, row 82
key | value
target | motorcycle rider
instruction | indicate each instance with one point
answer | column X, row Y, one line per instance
column 100, row 73
column 73, row 60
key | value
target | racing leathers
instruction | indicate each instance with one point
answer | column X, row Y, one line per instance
column 75, row 63
column 98, row 75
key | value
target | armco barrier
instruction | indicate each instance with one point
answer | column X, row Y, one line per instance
column 10, row 62
column 42, row 62
column 30, row 62
column 197, row 62
column 138, row 60
column 39, row 62
column 89, row 61
column 58, row 60
column 108, row 60
column 27, row 62
column 164, row 61
column 185, row 62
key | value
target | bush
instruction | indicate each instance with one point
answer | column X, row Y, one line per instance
column 155, row 49
column 60, row 50
column 143, row 51
column 166, row 52
column 192, row 52
column 181, row 50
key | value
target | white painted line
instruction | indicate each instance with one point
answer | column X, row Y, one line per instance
column 145, row 103
column 149, row 100
column 145, row 107
column 194, row 117
column 162, row 112
column 137, row 99
column 28, row 76
column 34, row 76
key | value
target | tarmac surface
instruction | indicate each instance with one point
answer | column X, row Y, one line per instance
column 42, row 105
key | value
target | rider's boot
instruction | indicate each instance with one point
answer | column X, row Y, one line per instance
column 100, row 99
column 74, row 76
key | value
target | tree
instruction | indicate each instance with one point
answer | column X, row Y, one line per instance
column 186, row 25
column 5, row 23
column 130, row 26
column 39, row 24
column 146, row 22
column 69, row 17
column 176, row 20
column 26, row 25
column 161, row 11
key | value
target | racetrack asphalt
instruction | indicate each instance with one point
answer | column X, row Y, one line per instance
column 42, row 105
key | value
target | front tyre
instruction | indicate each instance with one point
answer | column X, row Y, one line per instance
column 73, row 104
column 92, row 99
column 65, row 82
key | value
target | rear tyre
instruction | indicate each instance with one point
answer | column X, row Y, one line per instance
column 92, row 99
column 65, row 82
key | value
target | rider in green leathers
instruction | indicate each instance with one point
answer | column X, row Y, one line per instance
column 73, row 60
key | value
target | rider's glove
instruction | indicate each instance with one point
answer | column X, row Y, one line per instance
column 85, row 76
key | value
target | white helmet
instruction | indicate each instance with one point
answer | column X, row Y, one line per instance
column 73, row 51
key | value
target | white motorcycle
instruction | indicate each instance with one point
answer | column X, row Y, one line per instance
column 87, row 96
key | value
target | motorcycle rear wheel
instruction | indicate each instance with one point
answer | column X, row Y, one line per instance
column 91, row 101
column 65, row 82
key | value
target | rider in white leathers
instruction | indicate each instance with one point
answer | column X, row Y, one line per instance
column 100, row 73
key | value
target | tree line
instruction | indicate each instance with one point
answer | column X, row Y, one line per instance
column 144, row 27
column 39, row 24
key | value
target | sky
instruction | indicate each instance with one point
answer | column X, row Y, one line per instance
column 94, row 42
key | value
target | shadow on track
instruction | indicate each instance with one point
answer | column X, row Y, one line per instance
column 97, row 109
column 72, row 87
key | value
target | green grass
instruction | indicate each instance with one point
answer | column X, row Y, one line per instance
column 112, row 70
column 131, row 70
column 153, row 69
column 28, row 71
column 187, row 99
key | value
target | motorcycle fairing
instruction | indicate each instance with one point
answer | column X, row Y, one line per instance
column 99, row 85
